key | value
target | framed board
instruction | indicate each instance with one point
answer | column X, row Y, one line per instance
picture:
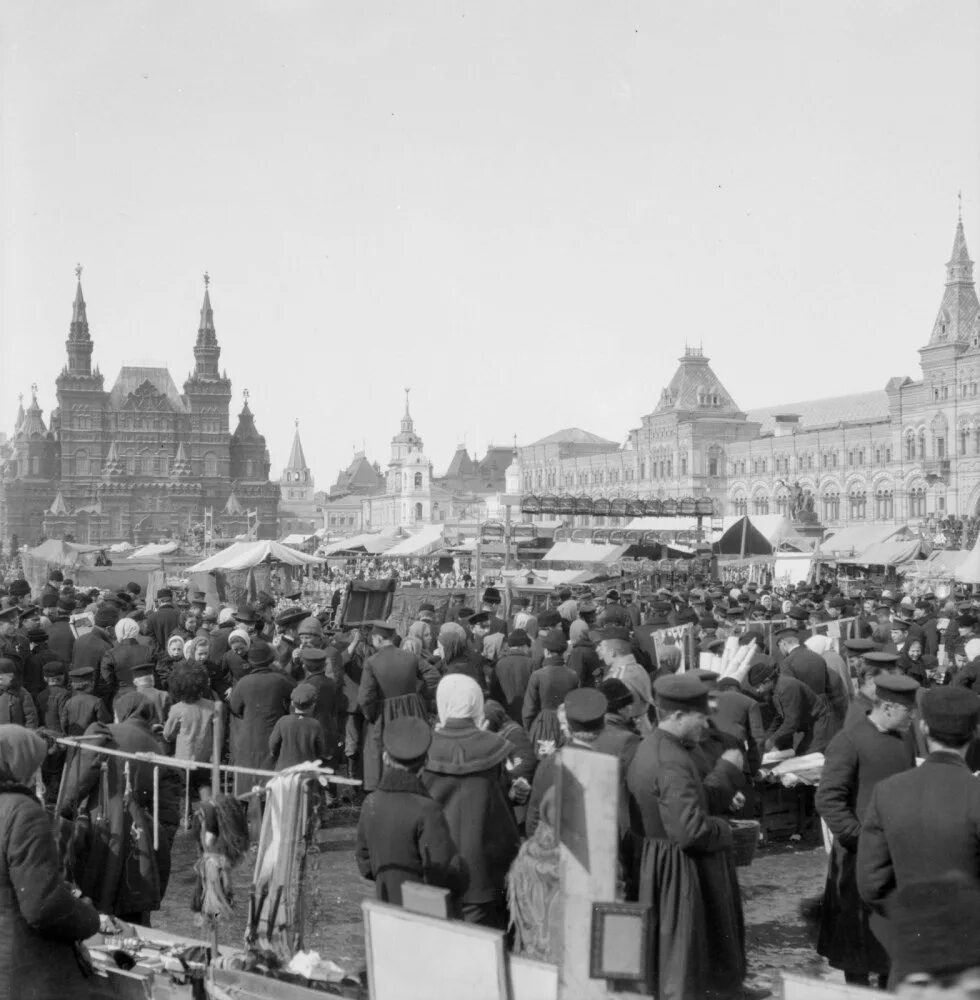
column 414, row 957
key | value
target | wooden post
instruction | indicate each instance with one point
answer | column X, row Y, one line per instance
column 477, row 571
column 218, row 738
column 588, row 834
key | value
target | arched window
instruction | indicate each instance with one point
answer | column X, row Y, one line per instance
column 917, row 502
column 857, row 502
column 418, row 480
column 831, row 506
column 35, row 466
column 922, row 444
column 418, row 512
column 81, row 463
column 210, row 464
column 884, row 505
column 741, row 506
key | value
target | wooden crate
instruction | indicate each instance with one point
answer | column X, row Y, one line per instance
column 784, row 812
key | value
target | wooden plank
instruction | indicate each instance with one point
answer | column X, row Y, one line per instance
column 427, row 899
column 807, row 988
column 587, row 823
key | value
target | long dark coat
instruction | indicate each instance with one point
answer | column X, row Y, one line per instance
column 856, row 760
column 89, row 650
column 33, row 678
column 798, row 712
column 116, row 668
column 403, row 836
column 686, row 872
column 104, row 848
column 464, row 774
column 509, row 680
column 546, row 691
column 259, row 700
column 39, row 917
column 394, row 682
column 919, row 824
column 61, row 642
column 162, row 624
column 80, row 711
column 329, row 706
column 584, row 662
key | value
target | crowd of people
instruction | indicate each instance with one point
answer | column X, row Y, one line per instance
column 453, row 729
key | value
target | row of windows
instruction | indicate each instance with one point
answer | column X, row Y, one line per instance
column 147, row 465
column 883, row 502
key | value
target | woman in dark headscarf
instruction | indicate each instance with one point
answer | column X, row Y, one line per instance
column 40, row 919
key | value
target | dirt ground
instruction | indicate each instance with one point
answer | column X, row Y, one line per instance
column 776, row 888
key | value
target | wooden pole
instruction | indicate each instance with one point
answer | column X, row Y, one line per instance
column 217, row 742
column 478, row 567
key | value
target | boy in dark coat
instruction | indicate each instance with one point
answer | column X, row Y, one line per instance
column 82, row 708
column 16, row 705
column 402, row 835
column 298, row 737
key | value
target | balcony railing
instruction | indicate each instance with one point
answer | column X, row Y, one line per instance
column 936, row 467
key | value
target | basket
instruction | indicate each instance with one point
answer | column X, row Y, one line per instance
column 746, row 833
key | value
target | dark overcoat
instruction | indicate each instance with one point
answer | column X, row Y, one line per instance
column 509, row 680
column 80, row 711
column 856, row 760
column 33, row 677
column 61, row 642
column 116, row 668
column 259, row 700
column 40, row 919
column 403, row 836
column 162, row 623
column 919, row 824
column 464, row 774
column 686, row 871
column 394, row 682
column 584, row 662
column 89, row 650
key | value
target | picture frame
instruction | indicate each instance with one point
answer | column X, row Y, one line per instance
column 621, row 941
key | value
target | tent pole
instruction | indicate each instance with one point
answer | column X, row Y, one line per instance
column 745, row 531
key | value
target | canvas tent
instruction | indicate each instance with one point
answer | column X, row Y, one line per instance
column 890, row 553
column 584, row 552
column 759, row 535
column 245, row 555
column 371, row 543
column 968, row 571
column 855, row 539
column 422, row 543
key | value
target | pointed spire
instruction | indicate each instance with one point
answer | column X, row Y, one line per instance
column 20, row 413
column 33, row 424
column 207, row 313
column 233, row 508
column 297, row 460
column 79, row 343
column 959, row 308
column 206, row 349
column 181, row 468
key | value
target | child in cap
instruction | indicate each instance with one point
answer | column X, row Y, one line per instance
column 402, row 834
column 83, row 707
column 16, row 705
column 144, row 681
column 52, row 700
column 298, row 737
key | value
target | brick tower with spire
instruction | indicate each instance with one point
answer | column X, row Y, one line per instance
column 296, row 506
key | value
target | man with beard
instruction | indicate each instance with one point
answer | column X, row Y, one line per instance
column 871, row 749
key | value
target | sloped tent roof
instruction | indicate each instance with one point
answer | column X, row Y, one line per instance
column 851, row 541
column 155, row 551
column 663, row 524
column 890, row 553
column 245, row 555
column 587, row 552
column 422, row 543
column 941, row 561
column 61, row 553
column 296, row 539
column 764, row 535
column 370, row 542
column 968, row 570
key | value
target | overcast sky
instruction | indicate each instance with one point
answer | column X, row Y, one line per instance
column 521, row 210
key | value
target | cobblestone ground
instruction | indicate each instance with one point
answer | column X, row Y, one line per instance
column 778, row 889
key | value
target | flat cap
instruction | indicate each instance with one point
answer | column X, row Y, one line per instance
column 966, row 620
column 81, row 672
column 555, row 641
column 786, row 632
column 681, row 693
column 616, row 632
column 381, row 627
column 143, row 670
column 585, row 706
column 53, row 668
column 518, row 638
column 951, row 711
column 878, row 656
column 7, row 666
column 37, row 635
column 407, row 738
column 303, row 695
column 897, row 688
column 859, row 645
column 10, row 614
column 312, row 655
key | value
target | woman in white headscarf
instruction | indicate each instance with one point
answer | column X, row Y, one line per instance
column 40, row 919
column 116, row 671
column 465, row 773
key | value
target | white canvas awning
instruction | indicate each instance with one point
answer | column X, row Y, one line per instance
column 245, row 555
column 420, row 544
column 585, row 552
column 296, row 539
column 854, row 540
column 675, row 524
column 154, row 551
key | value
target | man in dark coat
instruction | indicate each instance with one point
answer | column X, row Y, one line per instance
column 329, row 700
column 260, row 699
column 394, row 682
column 924, row 822
column 219, row 635
column 870, row 666
column 402, row 834
column 163, row 622
column 584, row 660
column 511, row 673
column 686, row 872
column 41, row 920
column 735, row 713
column 92, row 643
column 795, row 709
column 83, row 707
column 10, row 647
column 870, row 750
column 810, row 668
column 61, row 640
column 33, row 674
column 116, row 668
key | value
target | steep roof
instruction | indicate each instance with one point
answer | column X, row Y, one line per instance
column 572, row 435
column 858, row 407
column 461, row 465
column 696, row 387
column 133, row 377
column 297, row 460
column 959, row 309
column 359, row 474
